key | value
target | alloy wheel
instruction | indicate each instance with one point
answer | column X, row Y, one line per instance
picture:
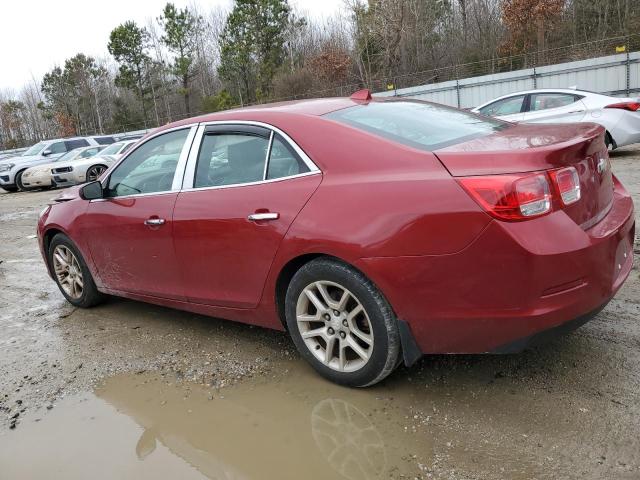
column 334, row 326
column 68, row 271
column 94, row 172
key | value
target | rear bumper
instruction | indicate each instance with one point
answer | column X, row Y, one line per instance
column 513, row 282
column 627, row 130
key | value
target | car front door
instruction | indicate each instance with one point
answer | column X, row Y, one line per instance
column 235, row 209
column 129, row 231
column 551, row 107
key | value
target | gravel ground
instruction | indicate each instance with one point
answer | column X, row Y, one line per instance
column 567, row 409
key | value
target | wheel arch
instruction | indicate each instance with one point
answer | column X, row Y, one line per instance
column 47, row 236
column 609, row 137
column 409, row 350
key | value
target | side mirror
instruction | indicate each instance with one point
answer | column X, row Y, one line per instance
column 46, row 153
column 92, row 191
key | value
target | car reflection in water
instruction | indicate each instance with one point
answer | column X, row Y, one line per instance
column 269, row 431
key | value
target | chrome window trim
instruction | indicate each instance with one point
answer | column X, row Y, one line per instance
column 180, row 168
column 189, row 176
column 178, row 176
column 250, row 184
column 266, row 160
column 190, row 170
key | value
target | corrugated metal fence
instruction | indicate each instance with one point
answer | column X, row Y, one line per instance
column 617, row 75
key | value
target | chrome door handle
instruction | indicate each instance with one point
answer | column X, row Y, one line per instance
column 254, row 217
column 154, row 221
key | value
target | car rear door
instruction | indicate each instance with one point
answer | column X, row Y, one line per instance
column 130, row 231
column 243, row 188
column 554, row 107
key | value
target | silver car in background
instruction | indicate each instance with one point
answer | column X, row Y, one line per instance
column 88, row 169
column 619, row 116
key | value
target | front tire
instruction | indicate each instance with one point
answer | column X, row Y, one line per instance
column 94, row 172
column 342, row 324
column 71, row 273
column 19, row 185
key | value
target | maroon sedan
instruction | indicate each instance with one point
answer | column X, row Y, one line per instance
column 372, row 231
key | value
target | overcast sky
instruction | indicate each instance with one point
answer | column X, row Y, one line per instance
column 36, row 35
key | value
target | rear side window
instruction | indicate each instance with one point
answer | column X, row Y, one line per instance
column 284, row 161
column 73, row 144
column 104, row 140
column 231, row 159
column 421, row 125
column 506, row 106
column 545, row 101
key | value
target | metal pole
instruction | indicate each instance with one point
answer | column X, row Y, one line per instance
column 628, row 44
column 458, row 91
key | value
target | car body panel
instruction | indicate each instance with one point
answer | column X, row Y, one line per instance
column 462, row 281
column 211, row 220
column 129, row 255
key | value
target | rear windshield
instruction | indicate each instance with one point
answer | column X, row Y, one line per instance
column 425, row 126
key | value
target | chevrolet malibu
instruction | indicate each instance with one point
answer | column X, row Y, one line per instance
column 372, row 231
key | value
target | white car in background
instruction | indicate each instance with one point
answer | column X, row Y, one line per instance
column 619, row 116
column 89, row 169
column 40, row 176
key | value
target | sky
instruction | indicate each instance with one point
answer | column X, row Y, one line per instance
column 36, row 35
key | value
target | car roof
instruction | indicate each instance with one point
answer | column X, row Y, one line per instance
column 574, row 91
column 312, row 107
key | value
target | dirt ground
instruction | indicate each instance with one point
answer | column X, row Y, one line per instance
column 128, row 390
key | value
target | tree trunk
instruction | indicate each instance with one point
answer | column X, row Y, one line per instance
column 185, row 86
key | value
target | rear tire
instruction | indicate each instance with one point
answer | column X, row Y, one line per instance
column 341, row 323
column 71, row 273
column 608, row 140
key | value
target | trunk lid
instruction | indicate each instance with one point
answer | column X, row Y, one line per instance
column 528, row 148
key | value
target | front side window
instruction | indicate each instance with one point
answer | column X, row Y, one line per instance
column 89, row 152
column 69, row 155
column 231, row 159
column 421, row 125
column 127, row 147
column 545, row 101
column 57, row 147
column 112, row 149
column 35, row 149
column 506, row 106
column 150, row 168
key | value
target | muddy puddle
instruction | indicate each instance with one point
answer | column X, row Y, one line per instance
column 293, row 427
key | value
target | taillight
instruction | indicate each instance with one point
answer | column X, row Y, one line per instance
column 511, row 197
column 568, row 183
column 631, row 106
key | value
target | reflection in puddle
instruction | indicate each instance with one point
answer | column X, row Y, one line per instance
column 349, row 441
column 146, row 426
